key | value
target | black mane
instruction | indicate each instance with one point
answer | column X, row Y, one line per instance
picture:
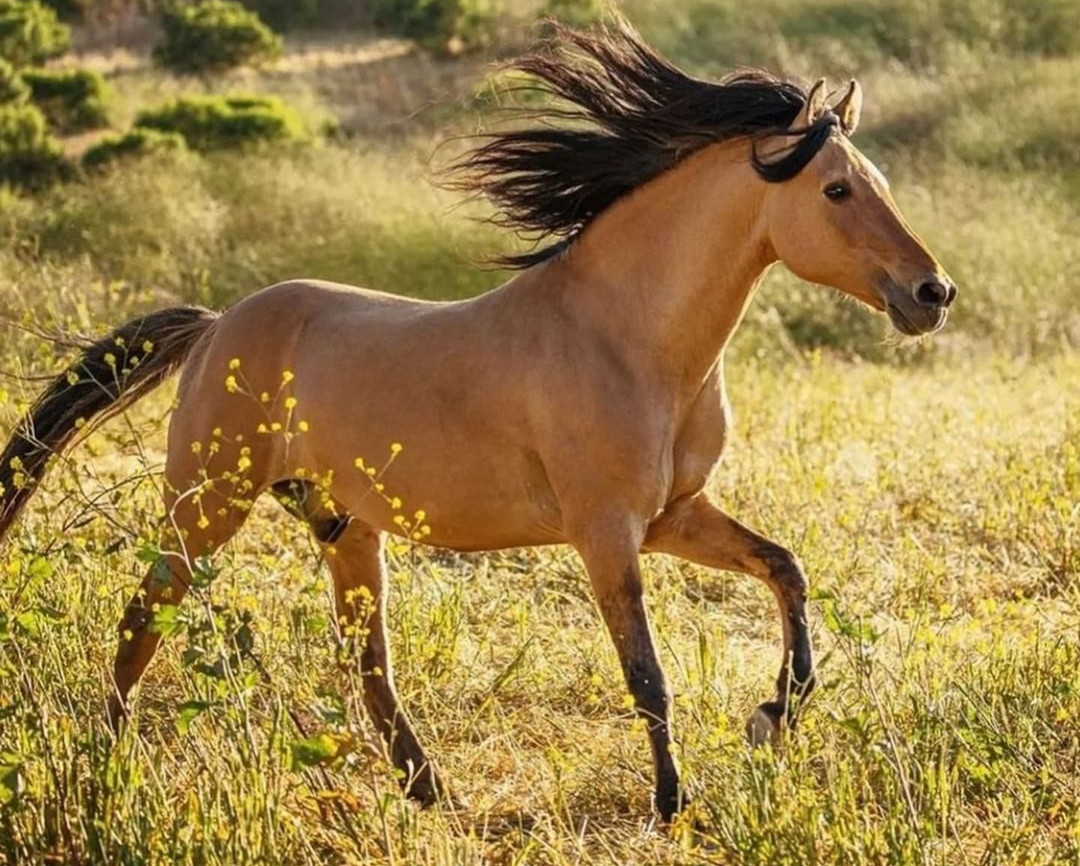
column 632, row 115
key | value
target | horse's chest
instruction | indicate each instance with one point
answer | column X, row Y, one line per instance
column 700, row 441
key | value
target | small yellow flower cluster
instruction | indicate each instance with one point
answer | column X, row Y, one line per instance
column 18, row 476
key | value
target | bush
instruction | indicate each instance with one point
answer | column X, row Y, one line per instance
column 29, row 157
column 13, row 90
column 138, row 142
column 30, row 33
column 285, row 14
column 73, row 100
column 71, row 10
column 447, row 26
column 212, row 36
column 221, row 122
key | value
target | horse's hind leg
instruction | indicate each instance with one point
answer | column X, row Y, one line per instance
column 354, row 552
column 196, row 526
column 359, row 572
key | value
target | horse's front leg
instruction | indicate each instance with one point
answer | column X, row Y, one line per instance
column 695, row 529
column 610, row 551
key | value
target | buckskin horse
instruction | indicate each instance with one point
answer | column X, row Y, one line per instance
column 582, row 402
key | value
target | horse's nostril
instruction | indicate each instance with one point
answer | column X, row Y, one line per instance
column 932, row 294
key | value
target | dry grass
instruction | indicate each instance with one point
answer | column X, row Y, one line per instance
column 940, row 533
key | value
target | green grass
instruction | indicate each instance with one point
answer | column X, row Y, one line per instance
column 931, row 491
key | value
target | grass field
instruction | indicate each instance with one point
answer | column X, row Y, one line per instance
column 932, row 491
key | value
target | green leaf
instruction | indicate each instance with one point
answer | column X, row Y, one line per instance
column 312, row 751
column 203, row 571
column 189, row 711
column 30, row 622
column 34, row 621
column 167, row 620
column 41, row 568
column 161, row 574
column 11, row 781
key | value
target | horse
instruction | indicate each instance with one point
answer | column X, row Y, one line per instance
column 580, row 403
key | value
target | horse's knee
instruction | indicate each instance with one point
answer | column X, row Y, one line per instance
column 785, row 569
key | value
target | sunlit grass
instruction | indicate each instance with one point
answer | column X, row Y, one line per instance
column 938, row 527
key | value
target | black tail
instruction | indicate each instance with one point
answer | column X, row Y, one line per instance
column 112, row 374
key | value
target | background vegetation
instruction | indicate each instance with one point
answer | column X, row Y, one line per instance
column 931, row 490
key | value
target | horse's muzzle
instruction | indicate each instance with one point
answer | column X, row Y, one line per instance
column 922, row 310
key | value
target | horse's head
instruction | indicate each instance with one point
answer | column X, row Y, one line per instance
column 835, row 223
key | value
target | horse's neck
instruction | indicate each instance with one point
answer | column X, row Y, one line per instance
column 669, row 270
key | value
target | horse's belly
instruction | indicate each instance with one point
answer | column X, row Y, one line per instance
column 443, row 487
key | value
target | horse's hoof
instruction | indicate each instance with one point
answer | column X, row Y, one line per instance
column 764, row 728
column 428, row 789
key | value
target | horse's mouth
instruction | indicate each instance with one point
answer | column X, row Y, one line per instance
column 904, row 323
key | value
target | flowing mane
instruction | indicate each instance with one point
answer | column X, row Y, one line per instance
column 631, row 115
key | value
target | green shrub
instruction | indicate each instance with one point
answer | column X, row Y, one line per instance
column 73, row 100
column 13, row 90
column 30, row 33
column 220, row 122
column 212, row 36
column 29, row 157
column 138, row 142
column 285, row 14
column 72, row 10
column 447, row 26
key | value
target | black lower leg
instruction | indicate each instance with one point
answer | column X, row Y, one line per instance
column 645, row 680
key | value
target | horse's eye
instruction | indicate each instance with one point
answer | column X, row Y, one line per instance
column 837, row 191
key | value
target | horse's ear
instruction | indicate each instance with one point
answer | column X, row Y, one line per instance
column 849, row 108
column 811, row 110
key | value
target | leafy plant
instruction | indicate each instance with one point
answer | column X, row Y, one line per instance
column 285, row 14
column 13, row 89
column 30, row 32
column 72, row 100
column 212, row 36
column 70, row 9
column 448, row 26
column 220, row 122
column 29, row 157
column 136, row 143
